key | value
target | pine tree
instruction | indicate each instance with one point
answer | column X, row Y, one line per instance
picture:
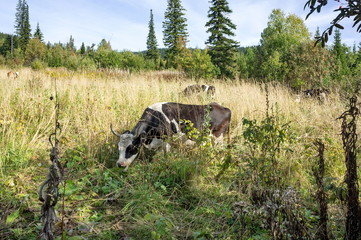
column 175, row 31
column 152, row 45
column 22, row 24
column 38, row 34
column 221, row 47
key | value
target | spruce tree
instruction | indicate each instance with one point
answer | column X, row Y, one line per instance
column 22, row 24
column 152, row 45
column 38, row 34
column 70, row 46
column 317, row 34
column 175, row 31
column 337, row 45
column 221, row 47
column 340, row 52
column 82, row 49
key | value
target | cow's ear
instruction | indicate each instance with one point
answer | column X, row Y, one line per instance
column 126, row 132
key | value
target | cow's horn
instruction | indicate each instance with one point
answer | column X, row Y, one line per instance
column 114, row 132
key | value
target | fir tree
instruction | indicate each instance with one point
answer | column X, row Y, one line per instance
column 38, row 34
column 22, row 24
column 221, row 47
column 152, row 45
column 175, row 30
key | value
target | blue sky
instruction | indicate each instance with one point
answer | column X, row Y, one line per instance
column 125, row 22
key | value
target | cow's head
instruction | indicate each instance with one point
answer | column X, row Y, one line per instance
column 128, row 146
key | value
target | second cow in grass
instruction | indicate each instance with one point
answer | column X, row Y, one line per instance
column 198, row 89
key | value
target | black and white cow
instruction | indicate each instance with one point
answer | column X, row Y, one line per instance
column 162, row 120
column 317, row 93
column 196, row 89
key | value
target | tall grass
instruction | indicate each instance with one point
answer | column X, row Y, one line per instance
column 90, row 101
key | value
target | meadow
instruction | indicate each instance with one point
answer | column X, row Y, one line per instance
column 189, row 193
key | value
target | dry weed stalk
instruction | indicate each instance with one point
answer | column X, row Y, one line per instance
column 55, row 176
column 321, row 195
column 349, row 139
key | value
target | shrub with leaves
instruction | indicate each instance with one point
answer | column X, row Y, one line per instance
column 264, row 141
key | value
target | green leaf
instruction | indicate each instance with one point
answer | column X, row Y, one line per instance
column 339, row 26
column 330, row 30
column 12, row 217
column 149, row 217
column 70, row 188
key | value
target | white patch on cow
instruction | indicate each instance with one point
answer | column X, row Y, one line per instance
column 124, row 142
column 158, row 144
column 154, row 144
column 207, row 87
column 176, row 125
column 323, row 97
column 158, row 107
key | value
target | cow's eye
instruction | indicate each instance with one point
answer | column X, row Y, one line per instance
column 131, row 150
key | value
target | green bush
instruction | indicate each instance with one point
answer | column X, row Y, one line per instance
column 38, row 65
column 199, row 65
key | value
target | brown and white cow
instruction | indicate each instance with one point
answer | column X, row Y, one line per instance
column 197, row 89
column 12, row 74
column 162, row 120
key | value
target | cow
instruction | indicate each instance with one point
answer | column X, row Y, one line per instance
column 12, row 74
column 162, row 120
column 318, row 93
column 197, row 89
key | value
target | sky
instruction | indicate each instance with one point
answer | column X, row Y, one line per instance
column 125, row 22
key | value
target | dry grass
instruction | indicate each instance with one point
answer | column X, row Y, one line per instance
column 89, row 104
column 90, row 101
